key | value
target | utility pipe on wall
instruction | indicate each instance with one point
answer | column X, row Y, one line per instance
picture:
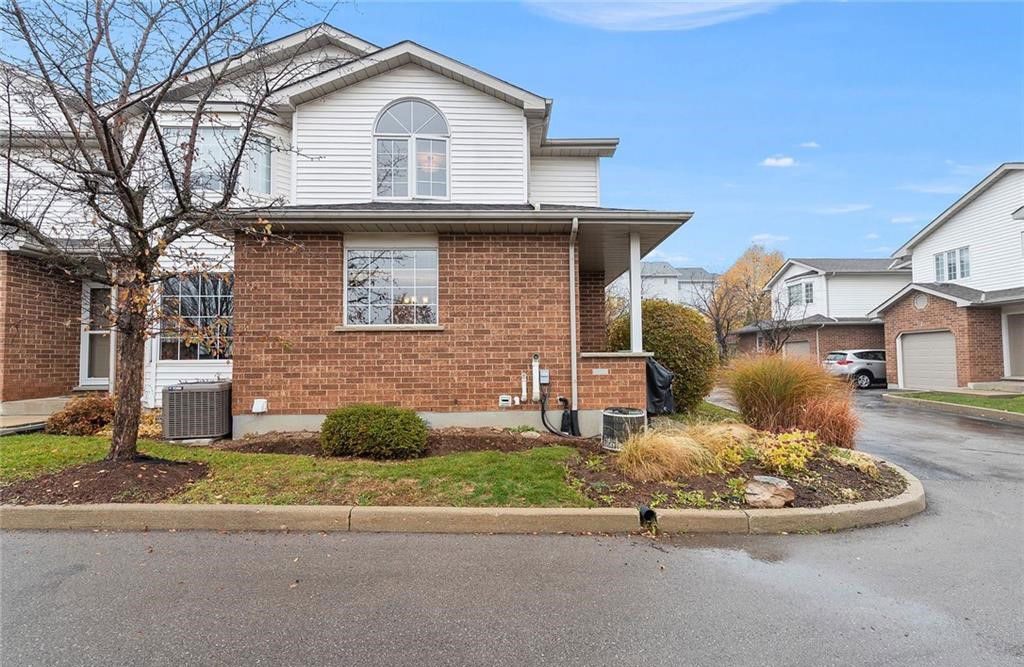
column 574, row 408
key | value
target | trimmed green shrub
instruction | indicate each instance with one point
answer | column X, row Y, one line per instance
column 374, row 431
column 681, row 341
column 82, row 416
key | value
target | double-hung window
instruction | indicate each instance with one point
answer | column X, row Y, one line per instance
column 411, row 148
column 215, row 148
column 800, row 294
column 197, row 312
column 953, row 264
column 391, row 286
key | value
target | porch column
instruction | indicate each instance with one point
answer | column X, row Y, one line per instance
column 636, row 335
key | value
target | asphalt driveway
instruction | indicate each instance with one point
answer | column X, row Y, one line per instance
column 943, row 588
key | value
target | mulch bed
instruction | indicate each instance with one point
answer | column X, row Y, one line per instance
column 440, row 441
column 821, row 484
column 144, row 480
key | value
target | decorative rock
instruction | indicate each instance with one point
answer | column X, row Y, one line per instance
column 532, row 435
column 765, row 491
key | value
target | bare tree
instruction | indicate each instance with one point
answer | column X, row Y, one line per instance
column 125, row 147
column 784, row 316
column 721, row 303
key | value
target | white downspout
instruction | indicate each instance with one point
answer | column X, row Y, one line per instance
column 572, row 313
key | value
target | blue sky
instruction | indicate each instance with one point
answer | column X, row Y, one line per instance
column 824, row 129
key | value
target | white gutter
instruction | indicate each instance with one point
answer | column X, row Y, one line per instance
column 572, row 313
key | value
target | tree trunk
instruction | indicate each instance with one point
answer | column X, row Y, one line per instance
column 131, row 357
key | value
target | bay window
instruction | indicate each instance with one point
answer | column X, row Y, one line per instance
column 411, row 148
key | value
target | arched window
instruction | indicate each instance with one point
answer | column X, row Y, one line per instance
column 411, row 127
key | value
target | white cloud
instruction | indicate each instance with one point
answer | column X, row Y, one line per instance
column 668, row 257
column 871, row 236
column 778, row 161
column 840, row 209
column 934, row 188
column 903, row 220
column 967, row 169
column 768, row 239
column 810, row 144
column 647, row 16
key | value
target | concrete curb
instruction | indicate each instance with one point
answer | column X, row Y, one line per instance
column 494, row 520
column 990, row 414
column 509, row 520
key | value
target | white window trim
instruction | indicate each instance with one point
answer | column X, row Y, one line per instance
column 243, row 177
column 83, row 346
column 941, row 258
column 411, row 171
column 392, row 242
column 158, row 358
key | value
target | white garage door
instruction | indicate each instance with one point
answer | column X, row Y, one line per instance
column 799, row 348
column 929, row 360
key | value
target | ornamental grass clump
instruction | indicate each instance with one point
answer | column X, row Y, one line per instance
column 664, row 454
column 832, row 418
column 374, row 431
column 779, row 394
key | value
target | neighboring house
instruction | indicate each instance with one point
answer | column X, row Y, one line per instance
column 824, row 304
column 443, row 241
column 961, row 319
column 661, row 280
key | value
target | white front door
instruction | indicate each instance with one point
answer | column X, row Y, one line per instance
column 95, row 353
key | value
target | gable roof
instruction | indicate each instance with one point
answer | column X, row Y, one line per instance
column 823, row 265
column 959, row 294
column 958, row 205
column 276, row 50
column 695, row 274
column 846, row 264
column 404, row 53
column 657, row 269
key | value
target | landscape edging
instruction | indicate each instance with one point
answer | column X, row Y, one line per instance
column 509, row 520
column 991, row 414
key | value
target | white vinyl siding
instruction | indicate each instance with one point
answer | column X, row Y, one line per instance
column 988, row 227
column 857, row 295
column 487, row 149
column 780, row 294
column 207, row 253
column 565, row 180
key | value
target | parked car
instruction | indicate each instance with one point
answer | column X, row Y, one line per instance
column 862, row 367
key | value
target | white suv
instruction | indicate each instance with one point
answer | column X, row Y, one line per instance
column 863, row 367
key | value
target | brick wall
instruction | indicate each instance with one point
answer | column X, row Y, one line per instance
column 40, row 316
column 823, row 340
column 840, row 337
column 593, row 330
column 623, row 385
column 502, row 298
column 977, row 332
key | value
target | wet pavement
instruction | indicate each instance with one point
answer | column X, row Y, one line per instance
column 942, row 588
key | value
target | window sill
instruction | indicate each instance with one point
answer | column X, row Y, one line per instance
column 389, row 327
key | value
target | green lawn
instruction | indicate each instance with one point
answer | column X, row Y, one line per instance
column 531, row 478
column 706, row 412
column 1008, row 403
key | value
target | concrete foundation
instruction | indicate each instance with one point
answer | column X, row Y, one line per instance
column 590, row 421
